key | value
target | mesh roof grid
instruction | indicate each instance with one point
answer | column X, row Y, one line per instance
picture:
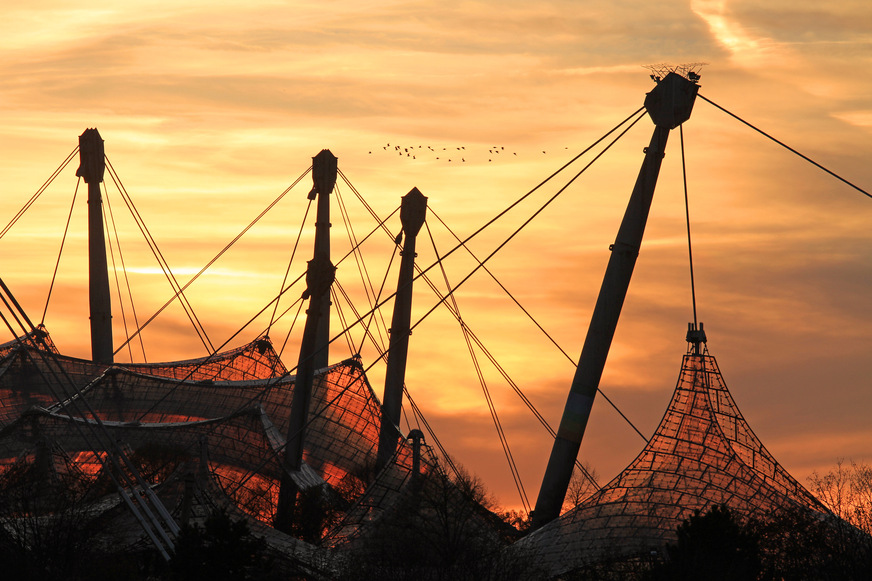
column 703, row 453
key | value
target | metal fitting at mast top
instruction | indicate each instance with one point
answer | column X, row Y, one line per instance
column 669, row 104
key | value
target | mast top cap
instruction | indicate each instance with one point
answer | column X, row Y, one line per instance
column 413, row 212
column 695, row 336
column 669, row 104
column 91, row 156
column 324, row 169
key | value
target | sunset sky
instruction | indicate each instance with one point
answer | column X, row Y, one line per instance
column 209, row 110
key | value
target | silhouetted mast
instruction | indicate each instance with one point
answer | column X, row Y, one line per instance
column 413, row 211
column 91, row 168
column 319, row 277
column 324, row 169
column 669, row 104
column 314, row 348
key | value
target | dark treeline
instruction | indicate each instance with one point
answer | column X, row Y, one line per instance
column 446, row 528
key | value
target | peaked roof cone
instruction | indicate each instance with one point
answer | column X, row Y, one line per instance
column 702, row 454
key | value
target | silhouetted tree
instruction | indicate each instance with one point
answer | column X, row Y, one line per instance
column 847, row 491
column 580, row 487
column 45, row 527
column 797, row 543
column 222, row 550
column 714, row 546
column 442, row 529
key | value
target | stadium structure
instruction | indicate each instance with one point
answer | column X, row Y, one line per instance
column 145, row 449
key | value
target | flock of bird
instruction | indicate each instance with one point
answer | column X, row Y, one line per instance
column 454, row 154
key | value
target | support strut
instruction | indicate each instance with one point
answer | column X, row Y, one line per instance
column 91, row 168
column 669, row 105
column 413, row 210
column 319, row 277
column 324, row 170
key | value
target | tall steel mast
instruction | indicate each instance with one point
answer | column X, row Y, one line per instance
column 413, row 211
column 314, row 348
column 669, row 105
column 324, row 170
column 91, row 168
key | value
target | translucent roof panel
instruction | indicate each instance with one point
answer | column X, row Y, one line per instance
column 35, row 374
column 702, row 454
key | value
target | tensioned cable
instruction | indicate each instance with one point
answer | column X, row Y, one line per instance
column 293, row 323
column 361, row 266
column 375, row 313
column 378, row 226
column 92, row 425
column 105, row 460
column 535, row 188
column 523, row 225
column 515, row 387
column 377, row 298
column 349, row 231
column 494, row 219
column 290, row 261
column 504, row 442
column 687, row 214
column 378, row 343
column 375, row 308
column 6, row 292
column 381, row 223
column 219, row 255
column 419, row 415
column 162, row 262
column 252, row 319
column 405, row 413
column 451, row 291
column 366, row 280
column 382, row 356
column 508, row 379
column 334, row 296
column 259, row 313
column 126, row 281
column 529, row 404
column 39, row 192
column 542, row 208
column 60, row 252
column 546, row 333
column 787, row 147
column 115, row 271
column 511, row 382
